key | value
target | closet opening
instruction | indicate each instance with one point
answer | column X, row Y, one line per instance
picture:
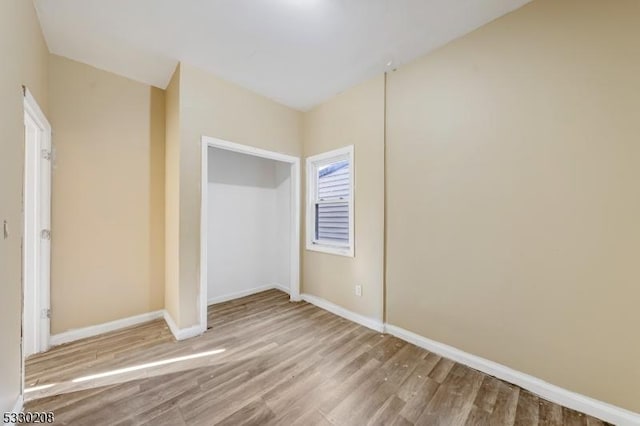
column 250, row 223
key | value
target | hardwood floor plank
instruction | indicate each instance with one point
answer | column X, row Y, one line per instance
column 504, row 412
column 387, row 412
column 573, row 418
column 488, row 394
column 171, row 417
column 477, row 417
column 453, row 400
column 363, row 402
column 550, row 414
column 401, row 421
column 595, row 422
column 255, row 413
column 441, row 370
column 419, row 400
column 418, row 376
column 527, row 409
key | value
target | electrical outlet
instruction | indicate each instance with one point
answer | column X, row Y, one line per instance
column 358, row 290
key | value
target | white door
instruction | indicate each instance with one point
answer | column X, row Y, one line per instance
column 37, row 225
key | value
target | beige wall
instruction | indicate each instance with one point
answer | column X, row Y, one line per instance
column 24, row 61
column 513, row 201
column 213, row 107
column 172, row 196
column 355, row 117
column 107, row 196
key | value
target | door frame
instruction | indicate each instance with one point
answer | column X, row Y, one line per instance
column 294, row 162
column 36, row 255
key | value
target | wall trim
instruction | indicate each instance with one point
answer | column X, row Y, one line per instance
column 179, row 333
column 36, row 265
column 368, row 322
column 282, row 288
column 244, row 293
column 553, row 393
column 182, row 333
column 94, row 330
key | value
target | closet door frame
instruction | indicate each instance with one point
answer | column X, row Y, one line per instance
column 294, row 246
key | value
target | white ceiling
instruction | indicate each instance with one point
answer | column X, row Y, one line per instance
column 297, row 52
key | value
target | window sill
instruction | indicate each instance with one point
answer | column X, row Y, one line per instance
column 338, row 251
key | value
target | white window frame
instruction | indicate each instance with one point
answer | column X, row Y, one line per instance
column 313, row 164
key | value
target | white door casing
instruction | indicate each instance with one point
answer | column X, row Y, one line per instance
column 37, row 228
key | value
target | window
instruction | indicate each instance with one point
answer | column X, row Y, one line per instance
column 330, row 202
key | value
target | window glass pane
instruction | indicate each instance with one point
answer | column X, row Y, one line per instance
column 333, row 181
column 332, row 222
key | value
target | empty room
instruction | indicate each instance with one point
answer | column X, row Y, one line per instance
column 320, row 212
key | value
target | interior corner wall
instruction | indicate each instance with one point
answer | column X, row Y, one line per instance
column 513, row 201
column 172, row 197
column 107, row 250
column 24, row 62
column 355, row 117
column 213, row 107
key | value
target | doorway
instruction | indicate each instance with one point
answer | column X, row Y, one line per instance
column 37, row 229
column 250, row 223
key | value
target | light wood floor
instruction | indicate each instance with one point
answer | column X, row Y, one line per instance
column 268, row 361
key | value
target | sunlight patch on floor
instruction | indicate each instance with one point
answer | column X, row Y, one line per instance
column 147, row 365
column 121, row 375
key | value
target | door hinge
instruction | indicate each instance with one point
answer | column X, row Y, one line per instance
column 46, row 154
column 45, row 314
column 45, row 234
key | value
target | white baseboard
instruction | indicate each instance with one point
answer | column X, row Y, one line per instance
column 81, row 333
column 94, row 330
column 368, row 322
column 244, row 293
column 182, row 333
column 282, row 288
column 553, row 393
